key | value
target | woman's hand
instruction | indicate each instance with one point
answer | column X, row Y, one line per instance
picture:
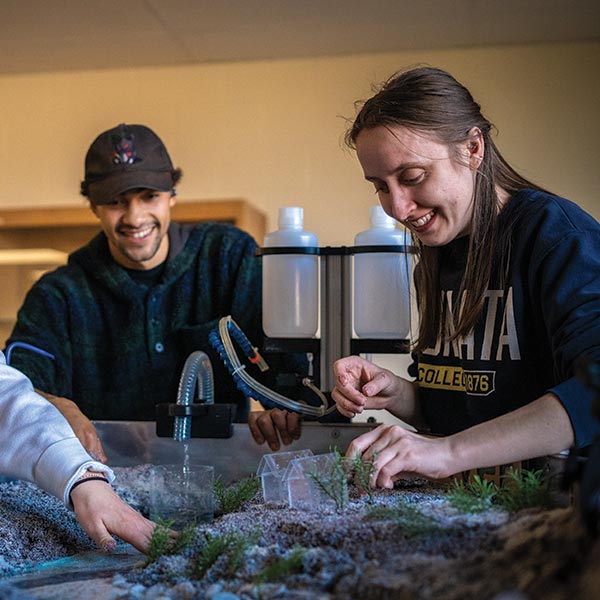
column 397, row 452
column 103, row 514
column 362, row 385
column 80, row 424
column 539, row 428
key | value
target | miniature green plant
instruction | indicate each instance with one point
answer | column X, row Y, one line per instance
column 283, row 567
column 159, row 541
column 214, row 546
column 230, row 498
column 163, row 543
column 362, row 472
column 413, row 522
column 520, row 489
column 240, row 547
column 334, row 483
column 524, row 489
column 474, row 496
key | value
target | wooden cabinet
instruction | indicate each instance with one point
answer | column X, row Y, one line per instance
column 46, row 236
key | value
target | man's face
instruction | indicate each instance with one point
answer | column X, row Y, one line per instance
column 136, row 224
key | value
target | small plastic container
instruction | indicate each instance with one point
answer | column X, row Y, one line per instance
column 181, row 494
column 382, row 281
column 271, row 470
column 290, row 281
column 303, row 491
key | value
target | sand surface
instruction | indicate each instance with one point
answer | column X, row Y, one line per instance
column 437, row 553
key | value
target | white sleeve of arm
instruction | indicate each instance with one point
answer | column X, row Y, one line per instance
column 37, row 443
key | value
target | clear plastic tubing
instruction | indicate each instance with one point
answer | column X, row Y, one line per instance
column 290, row 281
column 382, row 281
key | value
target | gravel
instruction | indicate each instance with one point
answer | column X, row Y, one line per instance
column 35, row 527
column 434, row 552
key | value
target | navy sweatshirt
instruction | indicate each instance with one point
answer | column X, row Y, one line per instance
column 531, row 332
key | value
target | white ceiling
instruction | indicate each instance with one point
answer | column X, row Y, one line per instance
column 55, row 35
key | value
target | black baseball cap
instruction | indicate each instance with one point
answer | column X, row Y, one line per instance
column 123, row 158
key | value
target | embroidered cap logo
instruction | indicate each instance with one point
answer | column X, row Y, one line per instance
column 124, row 149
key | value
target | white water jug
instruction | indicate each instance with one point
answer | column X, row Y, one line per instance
column 290, row 281
column 382, row 281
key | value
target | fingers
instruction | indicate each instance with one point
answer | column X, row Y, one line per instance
column 103, row 514
column 363, row 442
column 280, row 420
column 387, row 466
column 348, row 402
column 349, row 368
column 263, row 428
column 397, row 452
column 377, row 384
column 255, row 430
column 274, row 425
column 384, row 447
column 294, row 425
column 267, row 426
column 107, row 543
column 92, row 523
column 287, row 425
column 136, row 530
column 360, row 385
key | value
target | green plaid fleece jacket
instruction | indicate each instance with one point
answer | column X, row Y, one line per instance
column 120, row 346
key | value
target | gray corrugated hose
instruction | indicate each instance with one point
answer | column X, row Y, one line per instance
column 196, row 370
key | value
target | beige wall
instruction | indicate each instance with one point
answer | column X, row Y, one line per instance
column 271, row 131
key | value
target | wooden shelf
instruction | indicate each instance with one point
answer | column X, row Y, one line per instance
column 68, row 228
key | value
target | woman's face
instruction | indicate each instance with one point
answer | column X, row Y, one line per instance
column 421, row 182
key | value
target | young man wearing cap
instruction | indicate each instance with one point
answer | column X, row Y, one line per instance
column 123, row 315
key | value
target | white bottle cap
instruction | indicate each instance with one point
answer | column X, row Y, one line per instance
column 380, row 219
column 291, row 216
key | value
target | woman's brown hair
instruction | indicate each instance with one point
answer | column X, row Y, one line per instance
column 430, row 100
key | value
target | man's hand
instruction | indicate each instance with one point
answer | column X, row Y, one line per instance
column 103, row 514
column 271, row 425
column 80, row 424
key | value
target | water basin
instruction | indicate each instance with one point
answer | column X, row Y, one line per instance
column 130, row 444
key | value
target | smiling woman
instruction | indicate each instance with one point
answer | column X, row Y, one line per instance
column 508, row 292
column 443, row 176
